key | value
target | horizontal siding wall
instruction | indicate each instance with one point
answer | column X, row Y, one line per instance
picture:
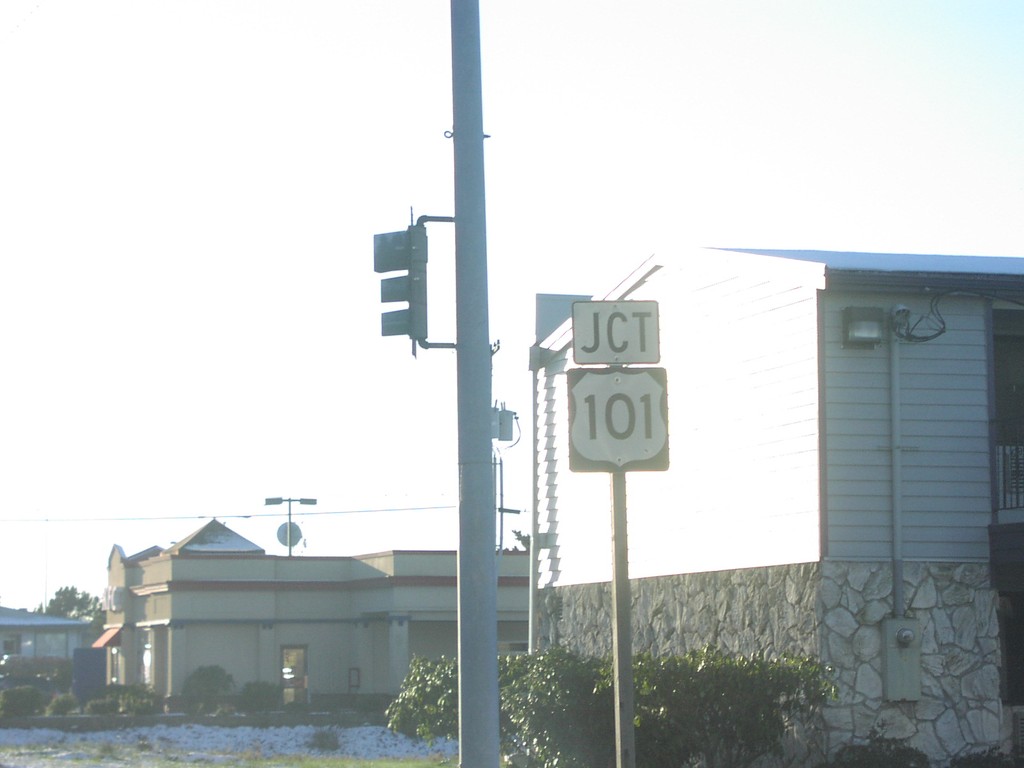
column 740, row 346
column 943, row 390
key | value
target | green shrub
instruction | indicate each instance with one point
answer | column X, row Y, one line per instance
column 22, row 701
column 125, row 700
column 138, row 700
column 62, row 704
column 324, row 740
column 46, row 672
column 990, row 758
column 879, row 751
column 259, row 697
column 205, row 687
column 559, row 706
column 427, row 705
column 725, row 710
column 106, row 705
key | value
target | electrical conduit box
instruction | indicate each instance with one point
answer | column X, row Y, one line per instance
column 901, row 659
column 501, row 424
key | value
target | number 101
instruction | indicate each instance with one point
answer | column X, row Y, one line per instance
column 626, row 415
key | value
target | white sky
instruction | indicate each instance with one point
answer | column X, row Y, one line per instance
column 189, row 318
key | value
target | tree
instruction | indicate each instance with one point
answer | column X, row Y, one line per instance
column 523, row 539
column 72, row 604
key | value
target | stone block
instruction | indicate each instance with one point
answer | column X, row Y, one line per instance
column 895, row 724
column 949, row 733
column 842, row 622
column 965, row 627
column 838, row 718
column 957, row 594
column 867, row 642
column 858, row 574
column 982, row 684
column 944, row 632
column 874, row 611
column 865, row 720
column 926, row 741
column 929, row 708
column 974, row 575
column 879, row 584
column 869, row 682
column 925, row 596
column 831, row 593
column 840, row 652
column 986, row 613
column 985, row 727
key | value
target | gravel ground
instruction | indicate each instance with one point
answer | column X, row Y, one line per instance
column 44, row 748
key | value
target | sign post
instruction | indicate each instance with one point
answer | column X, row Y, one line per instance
column 622, row 630
column 618, row 422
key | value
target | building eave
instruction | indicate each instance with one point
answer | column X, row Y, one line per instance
column 997, row 286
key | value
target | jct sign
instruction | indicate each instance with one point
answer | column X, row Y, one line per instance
column 615, row 332
column 618, row 419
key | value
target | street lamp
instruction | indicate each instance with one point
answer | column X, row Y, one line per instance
column 278, row 500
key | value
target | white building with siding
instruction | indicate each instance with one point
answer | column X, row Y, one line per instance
column 858, row 500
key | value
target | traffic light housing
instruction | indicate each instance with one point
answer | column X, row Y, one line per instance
column 404, row 251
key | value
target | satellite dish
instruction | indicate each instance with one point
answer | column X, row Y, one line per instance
column 296, row 534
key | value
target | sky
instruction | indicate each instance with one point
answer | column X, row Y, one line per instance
column 189, row 317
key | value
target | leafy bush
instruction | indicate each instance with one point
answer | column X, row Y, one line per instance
column 324, row 740
column 259, row 697
column 138, row 700
column 727, row 710
column 62, row 704
column 204, row 688
column 49, row 673
column 427, row 705
column 125, row 700
column 22, row 701
column 559, row 706
column 106, row 705
column 990, row 758
column 547, row 704
column 879, row 751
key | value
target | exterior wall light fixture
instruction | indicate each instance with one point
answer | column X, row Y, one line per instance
column 864, row 327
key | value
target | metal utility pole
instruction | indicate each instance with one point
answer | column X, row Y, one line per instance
column 477, row 570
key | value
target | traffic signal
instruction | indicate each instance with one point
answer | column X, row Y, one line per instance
column 403, row 251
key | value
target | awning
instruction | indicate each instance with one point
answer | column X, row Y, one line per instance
column 109, row 639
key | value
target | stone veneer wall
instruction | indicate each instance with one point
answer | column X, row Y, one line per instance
column 831, row 611
column 960, row 709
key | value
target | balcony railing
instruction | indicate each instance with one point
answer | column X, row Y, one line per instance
column 1009, row 462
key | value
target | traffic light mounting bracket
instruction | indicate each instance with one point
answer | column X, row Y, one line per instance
column 407, row 250
column 423, row 343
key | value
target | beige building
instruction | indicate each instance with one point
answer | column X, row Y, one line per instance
column 321, row 626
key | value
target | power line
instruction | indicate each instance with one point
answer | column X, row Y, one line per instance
column 220, row 517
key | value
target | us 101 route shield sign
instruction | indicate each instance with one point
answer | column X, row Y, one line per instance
column 618, row 419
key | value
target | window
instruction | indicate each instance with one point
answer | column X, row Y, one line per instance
column 294, row 675
column 12, row 645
